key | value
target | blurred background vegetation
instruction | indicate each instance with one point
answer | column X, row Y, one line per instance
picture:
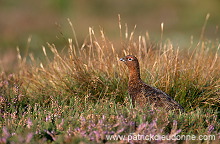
column 46, row 21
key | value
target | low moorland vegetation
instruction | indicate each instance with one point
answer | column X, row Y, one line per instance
column 80, row 94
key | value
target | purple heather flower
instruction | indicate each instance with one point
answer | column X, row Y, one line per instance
column 48, row 117
column 5, row 82
column 29, row 123
column 97, row 135
column 119, row 131
column 29, row 137
column 10, row 76
column 211, row 128
column 141, row 127
column 5, row 133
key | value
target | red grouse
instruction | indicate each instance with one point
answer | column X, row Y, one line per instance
column 143, row 94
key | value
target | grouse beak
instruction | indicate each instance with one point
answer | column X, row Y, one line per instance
column 122, row 59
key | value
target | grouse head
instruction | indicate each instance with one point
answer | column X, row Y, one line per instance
column 131, row 61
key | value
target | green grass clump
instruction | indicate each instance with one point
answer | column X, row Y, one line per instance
column 81, row 96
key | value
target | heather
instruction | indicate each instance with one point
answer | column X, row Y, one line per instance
column 79, row 95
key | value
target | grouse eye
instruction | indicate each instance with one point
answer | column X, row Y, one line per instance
column 130, row 59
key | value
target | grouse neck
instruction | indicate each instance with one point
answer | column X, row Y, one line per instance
column 134, row 74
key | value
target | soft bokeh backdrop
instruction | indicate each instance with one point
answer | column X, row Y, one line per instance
column 46, row 21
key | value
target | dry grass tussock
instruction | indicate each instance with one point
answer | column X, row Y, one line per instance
column 93, row 70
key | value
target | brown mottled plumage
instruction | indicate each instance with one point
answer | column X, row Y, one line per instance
column 143, row 94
